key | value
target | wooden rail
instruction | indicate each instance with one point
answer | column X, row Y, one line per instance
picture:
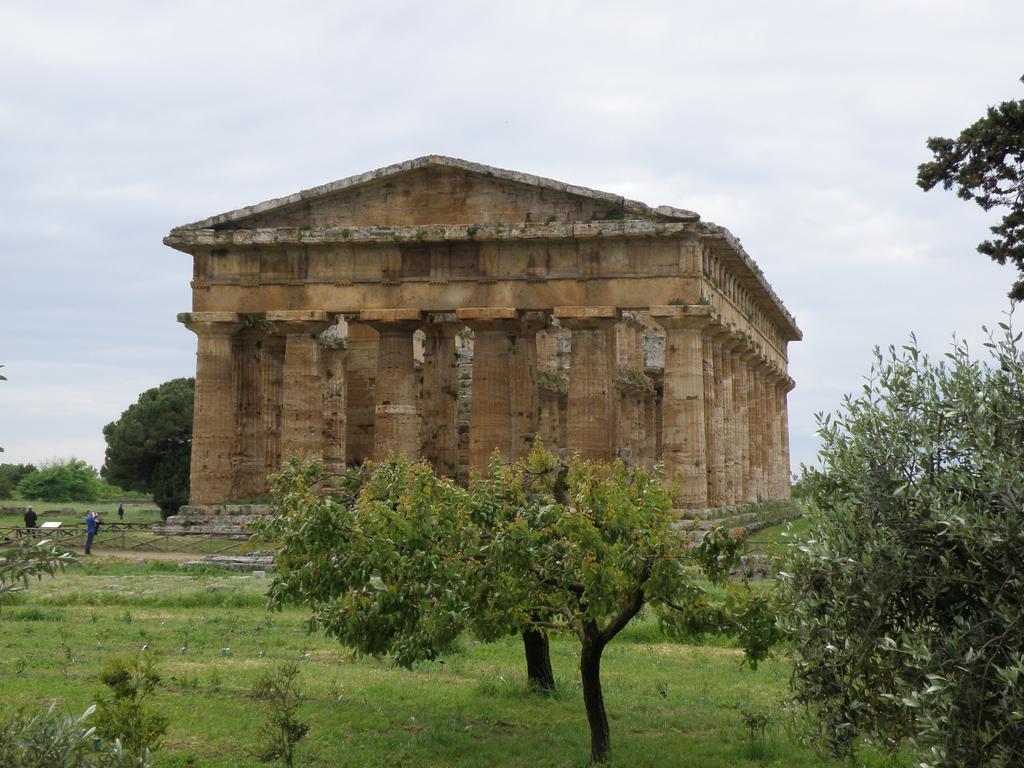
column 138, row 537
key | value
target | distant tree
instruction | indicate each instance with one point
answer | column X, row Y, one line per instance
column 906, row 597
column 985, row 163
column 11, row 475
column 149, row 447
column 61, row 480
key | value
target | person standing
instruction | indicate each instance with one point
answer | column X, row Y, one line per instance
column 120, row 511
column 30, row 518
column 92, row 524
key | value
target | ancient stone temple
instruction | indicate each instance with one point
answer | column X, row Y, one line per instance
column 443, row 309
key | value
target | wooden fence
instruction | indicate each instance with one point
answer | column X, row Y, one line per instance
column 139, row 537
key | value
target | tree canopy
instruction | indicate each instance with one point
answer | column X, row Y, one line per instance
column 11, row 475
column 401, row 562
column 906, row 601
column 62, row 480
column 985, row 163
column 149, row 447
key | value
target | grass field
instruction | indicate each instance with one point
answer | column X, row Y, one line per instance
column 134, row 512
column 670, row 704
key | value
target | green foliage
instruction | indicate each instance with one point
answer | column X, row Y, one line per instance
column 123, row 714
column 380, row 574
column 409, row 562
column 148, row 448
column 906, row 598
column 171, row 479
column 985, row 163
column 11, row 475
column 61, row 480
column 283, row 730
column 18, row 565
column 52, row 739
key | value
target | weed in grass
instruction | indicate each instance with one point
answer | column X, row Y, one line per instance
column 214, row 681
column 67, row 655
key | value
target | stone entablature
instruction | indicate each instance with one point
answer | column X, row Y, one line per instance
column 451, row 338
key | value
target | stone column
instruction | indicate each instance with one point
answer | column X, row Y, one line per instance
column 779, row 462
column 490, row 410
column 760, row 451
column 360, row 378
column 733, row 482
column 213, row 422
column 589, row 432
column 441, row 395
column 748, row 421
column 633, row 387
column 785, row 387
column 714, row 415
column 302, row 417
column 525, row 396
column 396, row 419
column 334, row 398
column 683, row 428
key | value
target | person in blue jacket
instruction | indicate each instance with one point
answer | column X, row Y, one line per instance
column 92, row 524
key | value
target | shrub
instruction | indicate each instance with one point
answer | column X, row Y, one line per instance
column 61, row 480
column 283, row 730
column 123, row 714
column 11, row 475
column 906, row 601
column 53, row 739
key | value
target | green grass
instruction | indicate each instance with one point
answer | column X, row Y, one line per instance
column 134, row 512
column 668, row 703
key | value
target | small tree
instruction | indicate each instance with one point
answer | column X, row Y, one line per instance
column 19, row 565
column 123, row 714
column 906, row 601
column 149, row 447
column 61, row 480
column 280, row 689
column 386, row 552
column 593, row 546
column 537, row 546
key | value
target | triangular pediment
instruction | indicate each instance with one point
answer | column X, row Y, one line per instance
column 438, row 190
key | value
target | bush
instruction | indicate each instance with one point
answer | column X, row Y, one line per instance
column 52, row 739
column 123, row 714
column 61, row 480
column 906, row 602
column 280, row 734
column 11, row 475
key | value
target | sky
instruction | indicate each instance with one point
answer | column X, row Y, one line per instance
column 797, row 125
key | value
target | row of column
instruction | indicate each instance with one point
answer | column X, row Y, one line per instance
column 725, row 433
column 723, row 430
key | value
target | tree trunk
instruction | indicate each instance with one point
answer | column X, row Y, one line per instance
column 538, row 660
column 593, row 700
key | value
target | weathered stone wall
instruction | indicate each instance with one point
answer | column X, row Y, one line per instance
column 471, row 309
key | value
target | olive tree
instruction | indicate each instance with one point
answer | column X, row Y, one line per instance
column 906, row 602
column 20, row 564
